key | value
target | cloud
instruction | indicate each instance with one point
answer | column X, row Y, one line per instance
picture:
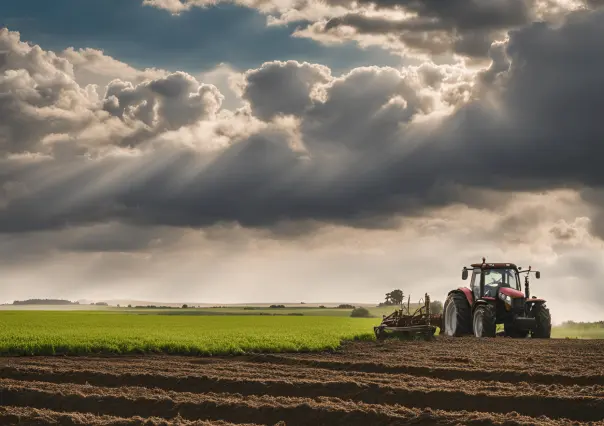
column 92, row 66
column 167, row 103
column 428, row 27
column 39, row 96
column 47, row 109
column 283, row 88
column 173, row 6
column 406, row 27
column 355, row 149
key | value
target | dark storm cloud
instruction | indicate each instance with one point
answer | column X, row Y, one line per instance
column 461, row 26
column 594, row 3
column 535, row 124
column 283, row 87
column 456, row 14
column 113, row 237
column 544, row 125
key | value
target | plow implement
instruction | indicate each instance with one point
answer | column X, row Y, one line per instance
column 403, row 323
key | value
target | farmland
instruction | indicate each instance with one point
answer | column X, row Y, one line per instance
column 447, row 381
column 81, row 332
column 151, row 366
column 188, row 332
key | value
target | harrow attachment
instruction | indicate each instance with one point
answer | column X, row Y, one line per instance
column 403, row 323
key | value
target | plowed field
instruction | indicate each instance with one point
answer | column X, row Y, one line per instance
column 447, row 381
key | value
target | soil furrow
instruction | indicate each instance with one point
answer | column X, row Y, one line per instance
column 292, row 369
column 206, row 407
column 578, row 408
column 34, row 417
column 434, row 372
column 314, row 383
column 261, row 410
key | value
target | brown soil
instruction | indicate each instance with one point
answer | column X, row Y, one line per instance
column 447, row 381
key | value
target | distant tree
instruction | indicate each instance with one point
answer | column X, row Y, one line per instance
column 322, row 307
column 184, row 306
column 360, row 313
column 436, row 307
column 395, row 297
column 346, row 306
column 129, row 306
column 118, row 305
column 388, row 301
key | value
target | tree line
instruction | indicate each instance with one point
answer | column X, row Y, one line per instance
column 44, row 302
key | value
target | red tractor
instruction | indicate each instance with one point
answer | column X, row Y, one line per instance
column 495, row 297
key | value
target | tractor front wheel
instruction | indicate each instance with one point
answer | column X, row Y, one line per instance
column 457, row 316
column 543, row 330
column 484, row 321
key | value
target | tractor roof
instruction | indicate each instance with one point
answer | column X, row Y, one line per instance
column 489, row 265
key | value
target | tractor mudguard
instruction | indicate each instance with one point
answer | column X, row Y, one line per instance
column 466, row 292
column 483, row 301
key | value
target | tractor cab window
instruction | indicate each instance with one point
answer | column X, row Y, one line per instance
column 475, row 283
column 495, row 278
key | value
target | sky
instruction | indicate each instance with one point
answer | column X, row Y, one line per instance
column 287, row 151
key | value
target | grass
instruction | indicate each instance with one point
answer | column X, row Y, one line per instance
column 86, row 332
column 127, row 331
column 579, row 331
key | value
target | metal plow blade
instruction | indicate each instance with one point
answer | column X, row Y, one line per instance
column 403, row 323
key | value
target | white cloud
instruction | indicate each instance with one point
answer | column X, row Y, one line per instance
column 92, row 66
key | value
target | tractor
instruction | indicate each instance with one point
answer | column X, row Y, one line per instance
column 495, row 297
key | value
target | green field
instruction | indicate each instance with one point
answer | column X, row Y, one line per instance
column 579, row 331
column 81, row 332
column 191, row 331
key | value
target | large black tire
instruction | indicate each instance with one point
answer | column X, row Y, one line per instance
column 544, row 322
column 457, row 318
column 484, row 324
column 514, row 332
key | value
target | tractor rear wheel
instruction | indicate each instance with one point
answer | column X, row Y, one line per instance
column 484, row 321
column 544, row 322
column 457, row 318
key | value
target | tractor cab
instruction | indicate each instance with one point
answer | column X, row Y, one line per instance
column 495, row 277
column 497, row 280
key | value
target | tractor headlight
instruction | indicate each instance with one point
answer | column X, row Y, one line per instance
column 507, row 300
